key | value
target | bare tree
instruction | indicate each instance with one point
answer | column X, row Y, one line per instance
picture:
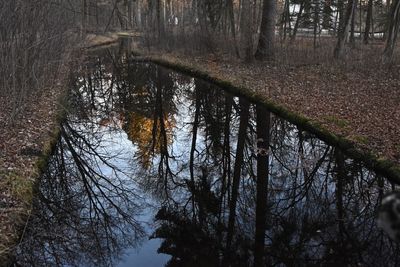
column 33, row 38
column 247, row 30
column 368, row 21
column 392, row 31
column 344, row 31
column 265, row 48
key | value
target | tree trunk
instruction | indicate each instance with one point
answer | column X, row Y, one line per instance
column 341, row 15
column 160, row 23
column 316, row 21
column 360, row 19
column 244, row 120
column 97, row 16
column 368, row 21
column 285, row 19
column 84, row 16
column 392, row 32
column 232, row 26
column 263, row 139
column 247, row 31
column 345, row 29
column 130, row 15
column 353, row 20
column 296, row 26
column 226, row 163
column 339, row 180
column 194, row 133
column 265, row 48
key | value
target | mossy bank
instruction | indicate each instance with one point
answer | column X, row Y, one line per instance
column 383, row 166
column 21, row 183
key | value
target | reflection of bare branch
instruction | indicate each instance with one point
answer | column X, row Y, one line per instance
column 84, row 205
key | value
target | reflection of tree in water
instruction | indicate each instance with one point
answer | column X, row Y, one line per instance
column 150, row 114
column 85, row 209
column 143, row 132
column 201, row 246
column 236, row 185
column 320, row 207
column 150, row 108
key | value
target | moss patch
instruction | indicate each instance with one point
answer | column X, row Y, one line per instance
column 359, row 139
column 20, row 187
column 337, row 121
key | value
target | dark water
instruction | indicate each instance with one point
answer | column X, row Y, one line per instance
column 154, row 168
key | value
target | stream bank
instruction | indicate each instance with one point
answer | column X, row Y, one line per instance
column 330, row 128
column 26, row 144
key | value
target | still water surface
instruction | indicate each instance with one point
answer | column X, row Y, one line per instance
column 155, row 168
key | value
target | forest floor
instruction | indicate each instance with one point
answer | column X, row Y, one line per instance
column 359, row 101
column 25, row 142
column 22, row 143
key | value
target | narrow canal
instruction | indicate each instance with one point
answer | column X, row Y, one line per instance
column 156, row 168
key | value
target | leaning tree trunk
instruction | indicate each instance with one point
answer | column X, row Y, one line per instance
column 345, row 29
column 285, row 19
column 339, row 15
column 316, row 22
column 368, row 21
column 296, row 25
column 352, row 28
column 392, row 32
column 265, row 48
